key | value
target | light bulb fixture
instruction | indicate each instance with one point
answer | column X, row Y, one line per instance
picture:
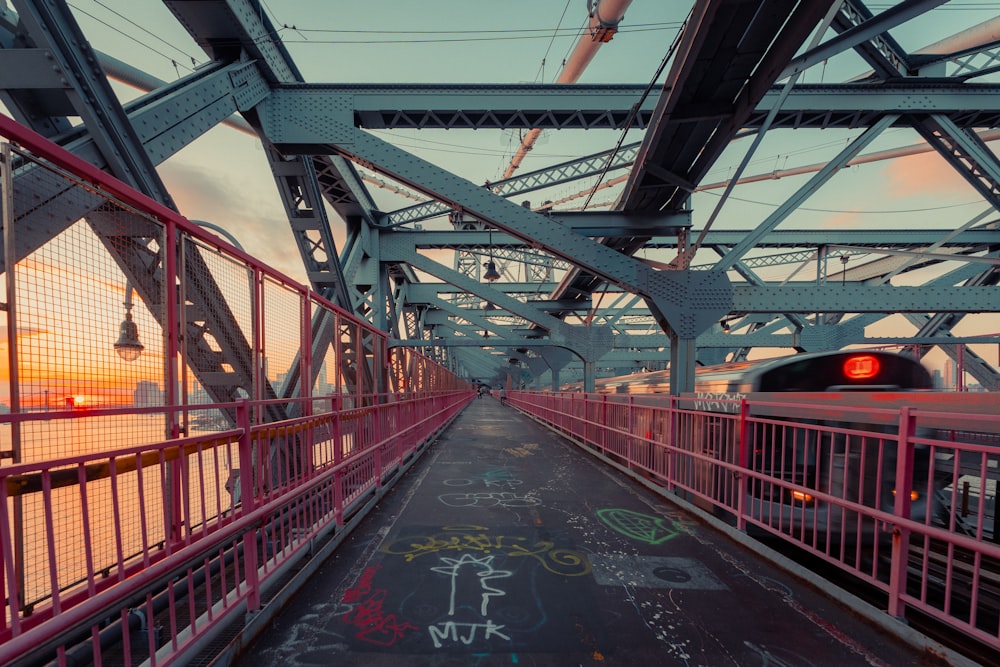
column 491, row 275
column 725, row 326
column 128, row 346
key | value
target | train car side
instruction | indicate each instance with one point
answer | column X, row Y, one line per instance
column 808, row 473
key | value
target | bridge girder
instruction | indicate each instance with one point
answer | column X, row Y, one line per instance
column 315, row 127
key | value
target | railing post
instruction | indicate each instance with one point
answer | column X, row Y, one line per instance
column 630, row 439
column 379, row 402
column 672, row 444
column 171, row 373
column 338, row 449
column 567, row 417
column 248, row 501
column 603, row 423
column 379, row 446
column 338, row 458
column 744, row 459
column 900, row 533
column 13, row 384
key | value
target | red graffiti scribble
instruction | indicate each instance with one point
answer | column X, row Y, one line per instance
column 375, row 627
column 362, row 588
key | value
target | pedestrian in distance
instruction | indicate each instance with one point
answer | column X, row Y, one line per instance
column 503, row 396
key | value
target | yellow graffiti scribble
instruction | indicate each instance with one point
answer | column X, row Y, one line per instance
column 522, row 451
column 565, row 562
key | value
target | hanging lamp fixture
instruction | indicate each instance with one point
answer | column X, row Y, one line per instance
column 491, row 275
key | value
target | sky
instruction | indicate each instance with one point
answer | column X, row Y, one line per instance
column 223, row 176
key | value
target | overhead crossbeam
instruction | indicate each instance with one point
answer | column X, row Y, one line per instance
column 674, row 296
column 469, row 106
column 566, row 172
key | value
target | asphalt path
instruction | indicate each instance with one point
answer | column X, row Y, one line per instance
column 505, row 545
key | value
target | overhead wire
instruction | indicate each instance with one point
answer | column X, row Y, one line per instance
column 634, row 111
column 922, row 209
column 555, row 33
column 440, row 40
column 569, row 31
column 194, row 61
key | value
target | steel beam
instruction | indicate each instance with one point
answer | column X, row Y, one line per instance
column 673, row 295
column 861, row 298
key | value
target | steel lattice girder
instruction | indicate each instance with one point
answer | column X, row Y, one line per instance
column 588, row 342
column 565, row 172
column 673, row 293
column 166, row 122
column 576, row 106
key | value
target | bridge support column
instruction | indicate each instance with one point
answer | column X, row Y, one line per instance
column 682, row 364
column 556, row 358
column 687, row 304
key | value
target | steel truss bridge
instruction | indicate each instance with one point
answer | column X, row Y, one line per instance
column 576, row 292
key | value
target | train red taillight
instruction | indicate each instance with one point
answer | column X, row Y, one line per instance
column 861, row 367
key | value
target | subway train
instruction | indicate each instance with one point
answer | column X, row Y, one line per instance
column 785, row 467
column 854, row 370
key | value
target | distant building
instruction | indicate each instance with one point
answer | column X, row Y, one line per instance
column 950, row 376
column 147, row 394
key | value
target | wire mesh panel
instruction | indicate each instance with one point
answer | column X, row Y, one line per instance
column 282, row 335
column 87, row 311
column 218, row 309
column 324, row 357
column 348, row 351
column 88, row 319
column 155, row 385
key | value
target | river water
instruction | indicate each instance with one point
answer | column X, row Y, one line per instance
column 113, row 519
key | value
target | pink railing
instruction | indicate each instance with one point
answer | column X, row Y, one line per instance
column 137, row 483
column 218, row 518
column 902, row 498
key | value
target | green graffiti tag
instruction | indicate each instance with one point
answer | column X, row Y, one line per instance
column 642, row 527
column 564, row 562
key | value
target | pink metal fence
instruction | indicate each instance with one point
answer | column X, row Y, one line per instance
column 193, row 562
column 903, row 499
column 166, row 472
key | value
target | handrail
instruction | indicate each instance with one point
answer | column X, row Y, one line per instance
column 251, row 523
column 839, row 477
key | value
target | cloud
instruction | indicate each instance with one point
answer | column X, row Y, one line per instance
column 844, row 220
column 925, row 174
column 247, row 207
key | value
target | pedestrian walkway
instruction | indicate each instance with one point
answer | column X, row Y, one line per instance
column 508, row 546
